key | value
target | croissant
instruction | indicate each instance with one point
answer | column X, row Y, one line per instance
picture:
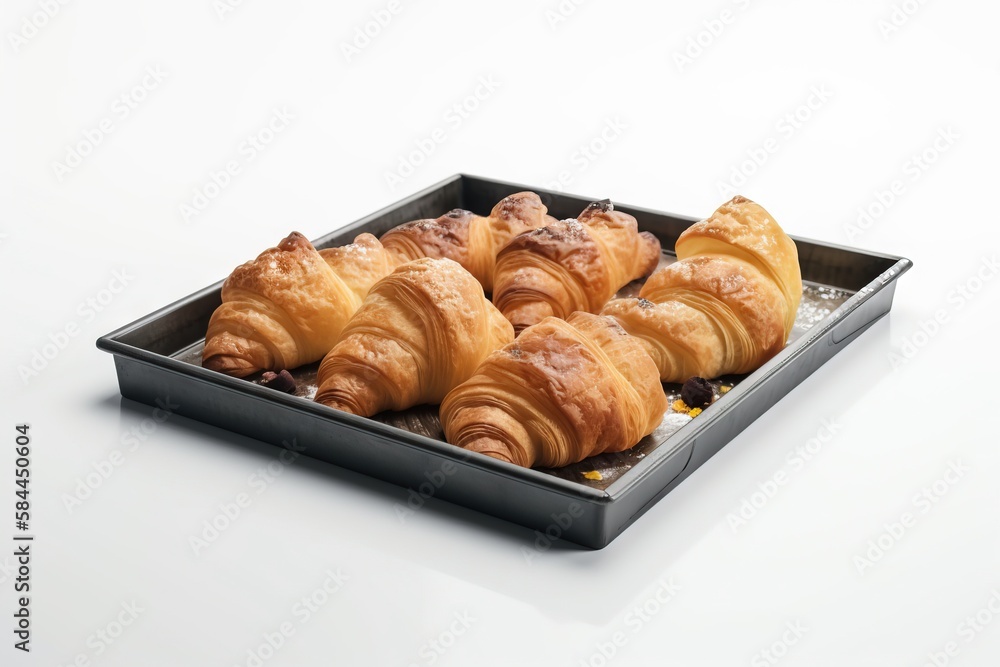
column 469, row 239
column 421, row 331
column 287, row 307
column 563, row 391
column 729, row 303
column 742, row 229
column 571, row 265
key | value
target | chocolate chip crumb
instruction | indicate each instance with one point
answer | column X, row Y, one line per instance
column 282, row 381
column 697, row 392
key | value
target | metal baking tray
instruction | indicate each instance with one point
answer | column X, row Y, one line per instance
column 590, row 503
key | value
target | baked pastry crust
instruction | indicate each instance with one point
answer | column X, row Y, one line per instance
column 570, row 265
column 564, row 390
column 727, row 305
column 287, row 307
column 742, row 229
column 469, row 239
column 420, row 332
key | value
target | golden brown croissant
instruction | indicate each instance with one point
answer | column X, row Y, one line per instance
column 563, row 391
column 728, row 304
column 421, row 331
column 469, row 239
column 571, row 265
column 742, row 229
column 287, row 307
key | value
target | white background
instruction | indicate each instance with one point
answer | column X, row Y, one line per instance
column 678, row 130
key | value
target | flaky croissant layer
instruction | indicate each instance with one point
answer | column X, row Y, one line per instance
column 564, row 390
column 469, row 239
column 287, row 307
column 742, row 229
column 571, row 265
column 727, row 305
column 421, row 331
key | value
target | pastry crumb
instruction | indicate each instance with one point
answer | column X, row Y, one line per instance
column 594, row 475
column 680, row 406
column 723, row 390
column 694, row 412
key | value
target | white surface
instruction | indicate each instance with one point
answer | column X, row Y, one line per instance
column 558, row 88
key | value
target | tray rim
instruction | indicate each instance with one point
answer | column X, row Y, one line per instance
column 633, row 477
